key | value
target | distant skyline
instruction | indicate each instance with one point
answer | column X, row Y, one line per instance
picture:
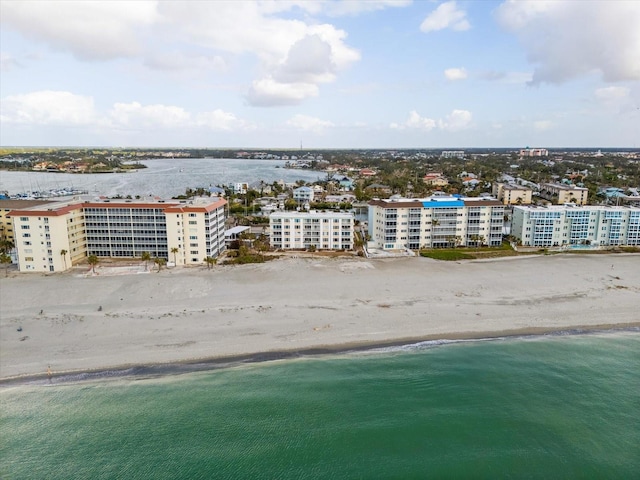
column 324, row 74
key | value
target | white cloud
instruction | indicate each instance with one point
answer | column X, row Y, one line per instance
column 48, row 107
column 55, row 108
column 267, row 92
column 456, row 120
column 455, row 74
column 146, row 117
column 307, row 123
column 90, row 30
column 447, row 15
column 612, row 94
column 353, row 8
column 221, row 120
column 180, row 61
column 507, row 77
column 7, row 62
column 415, row 121
column 309, row 60
column 568, row 39
column 331, row 7
column 542, row 125
column 135, row 115
column 294, row 56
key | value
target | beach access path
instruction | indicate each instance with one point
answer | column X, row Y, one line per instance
column 82, row 323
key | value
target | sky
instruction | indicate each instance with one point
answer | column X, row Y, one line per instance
column 320, row 73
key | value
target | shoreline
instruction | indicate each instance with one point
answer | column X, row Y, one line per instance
column 293, row 307
column 192, row 365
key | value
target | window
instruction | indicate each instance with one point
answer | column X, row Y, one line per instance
column 25, row 227
column 194, row 252
column 193, row 237
column 26, row 235
column 192, row 215
column 193, row 222
column 26, row 243
column 24, row 219
column 28, row 259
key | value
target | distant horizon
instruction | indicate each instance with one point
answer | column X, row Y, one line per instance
column 293, row 149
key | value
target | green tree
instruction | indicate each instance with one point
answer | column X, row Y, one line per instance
column 5, row 260
column 175, row 251
column 210, row 261
column 93, row 260
column 146, row 258
column 160, row 262
column 6, row 245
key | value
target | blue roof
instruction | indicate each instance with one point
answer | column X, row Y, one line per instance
column 442, row 204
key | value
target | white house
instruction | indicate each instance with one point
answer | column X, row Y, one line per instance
column 303, row 195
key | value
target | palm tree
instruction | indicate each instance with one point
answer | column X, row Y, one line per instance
column 6, row 261
column 210, row 261
column 146, row 257
column 159, row 262
column 93, row 261
column 174, row 250
column 63, row 253
column 6, row 246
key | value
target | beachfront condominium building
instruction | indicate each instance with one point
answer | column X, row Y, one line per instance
column 512, row 194
column 55, row 236
column 560, row 194
column 321, row 230
column 565, row 225
column 435, row 222
column 6, row 223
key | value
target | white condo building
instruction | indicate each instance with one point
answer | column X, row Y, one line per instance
column 117, row 228
column 559, row 225
column 435, row 222
column 301, row 230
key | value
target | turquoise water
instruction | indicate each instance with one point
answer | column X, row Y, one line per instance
column 548, row 407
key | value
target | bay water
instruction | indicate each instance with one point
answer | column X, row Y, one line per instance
column 536, row 407
column 164, row 178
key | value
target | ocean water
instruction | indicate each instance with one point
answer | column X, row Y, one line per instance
column 545, row 407
column 163, row 177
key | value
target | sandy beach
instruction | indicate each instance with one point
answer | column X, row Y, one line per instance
column 74, row 322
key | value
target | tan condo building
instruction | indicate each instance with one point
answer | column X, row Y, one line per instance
column 560, row 194
column 435, row 222
column 512, row 194
column 55, row 236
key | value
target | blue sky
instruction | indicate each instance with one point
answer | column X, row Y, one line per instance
column 327, row 74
